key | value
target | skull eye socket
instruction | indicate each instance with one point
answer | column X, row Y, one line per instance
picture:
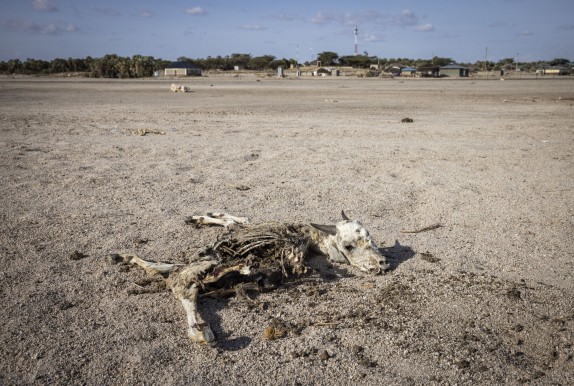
column 349, row 247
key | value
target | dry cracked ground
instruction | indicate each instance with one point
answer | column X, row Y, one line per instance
column 484, row 298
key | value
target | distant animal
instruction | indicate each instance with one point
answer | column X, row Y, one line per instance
column 255, row 256
column 179, row 88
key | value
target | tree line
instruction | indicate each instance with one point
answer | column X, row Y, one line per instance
column 108, row 66
column 329, row 58
column 138, row 66
column 243, row 61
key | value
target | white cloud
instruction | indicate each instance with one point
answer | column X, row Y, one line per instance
column 287, row 16
column 19, row 25
column 372, row 38
column 425, row 27
column 194, row 11
column 71, row 28
column 450, row 36
column 525, row 33
column 365, row 17
column 498, row 24
column 325, row 17
column 108, row 11
column 49, row 29
column 145, row 13
column 44, row 5
column 252, row 27
column 405, row 19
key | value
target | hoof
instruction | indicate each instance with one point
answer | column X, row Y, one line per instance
column 114, row 258
column 202, row 335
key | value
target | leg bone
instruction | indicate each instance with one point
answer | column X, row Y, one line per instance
column 222, row 219
column 197, row 329
column 150, row 267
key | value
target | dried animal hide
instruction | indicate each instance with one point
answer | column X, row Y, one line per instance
column 262, row 253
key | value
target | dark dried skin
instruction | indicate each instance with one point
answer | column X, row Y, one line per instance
column 270, row 252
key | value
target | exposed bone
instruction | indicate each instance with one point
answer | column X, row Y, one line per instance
column 249, row 256
column 143, row 132
column 240, row 290
column 150, row 267
column 222, row 219
column 179, row 88
column 198, row 331
column 329, row 229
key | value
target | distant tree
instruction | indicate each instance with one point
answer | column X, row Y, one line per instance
column 292, row 62
column 505, row 61
column 105, row 67
column 260, row 62
column 137, row 66
column 285, row 63
column 210, row 63
column 148, row 66
column 123, row 67
column 14, row 66
column 59, row 65
column 358, row 61
column 423, row 63
column 88, row 62
column 241, row 60
column 437, row 61
column 404, row 61
column 35, row 67
column 382, row 61
column 78, row 65
column 159, row 64
column 491, row 65
column 559, row 62
column 328, row 58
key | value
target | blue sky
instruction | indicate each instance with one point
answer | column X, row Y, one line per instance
column 528, row 29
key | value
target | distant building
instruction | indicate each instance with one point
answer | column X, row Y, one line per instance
column 428, row 71
column 182, row 69
column 394, row 69
column 554, row 70
column 454, row 70
column 322, row 71
column 408, row 71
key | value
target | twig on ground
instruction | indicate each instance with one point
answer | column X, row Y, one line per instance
column 429, row 228
column 323, row 324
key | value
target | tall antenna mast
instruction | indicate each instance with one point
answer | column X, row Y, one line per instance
column 356, row 41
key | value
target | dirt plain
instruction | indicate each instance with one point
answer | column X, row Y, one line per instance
column 486, row 298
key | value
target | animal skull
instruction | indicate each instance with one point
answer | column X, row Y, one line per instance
column 348, row 242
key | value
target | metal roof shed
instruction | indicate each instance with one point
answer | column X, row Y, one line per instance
column 454, row 70
column 408, row 71
column 556, row 70
column 182, row 69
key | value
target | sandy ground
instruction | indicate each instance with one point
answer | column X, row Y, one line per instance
column 485, row 299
